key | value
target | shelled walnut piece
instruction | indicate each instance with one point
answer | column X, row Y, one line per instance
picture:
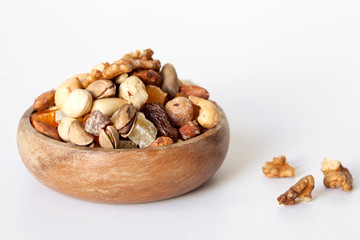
column 301, row 190
column 278, row 168
column 140, row 59
column 335, row 175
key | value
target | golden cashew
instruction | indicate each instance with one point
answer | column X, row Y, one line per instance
column 208, row 115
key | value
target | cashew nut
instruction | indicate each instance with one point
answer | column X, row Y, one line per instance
column 209, row 114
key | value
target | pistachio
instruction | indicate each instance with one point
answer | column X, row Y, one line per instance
column 102, row 89
column 109, row 137
column 78, row 103
column 108, row 106
column 78, row 135
column 133, row 91
column 127, row 129
column 125, row 115
column 63, row 128
column 114, row 116
column 120, row 79
column 64, row 90
column 171, row 83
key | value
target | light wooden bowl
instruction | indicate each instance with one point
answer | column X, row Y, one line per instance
column 123, row 175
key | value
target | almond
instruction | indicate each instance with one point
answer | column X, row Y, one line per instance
column 149, row 77
column 46, row 129
column 191, row 90
column 44, row 101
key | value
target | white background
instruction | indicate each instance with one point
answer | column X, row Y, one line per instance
column 285, row 72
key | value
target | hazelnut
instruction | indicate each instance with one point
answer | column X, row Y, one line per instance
column 180, row 111
column 78, row 103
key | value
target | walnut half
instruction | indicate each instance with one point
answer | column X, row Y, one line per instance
column 335, row 175
column 278, row 168
column 302, row 190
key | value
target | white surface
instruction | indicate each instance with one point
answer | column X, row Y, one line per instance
column 286, row 73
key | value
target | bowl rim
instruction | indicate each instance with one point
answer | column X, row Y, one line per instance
column 25, row 119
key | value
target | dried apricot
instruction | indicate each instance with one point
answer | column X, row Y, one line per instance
column 46, row 116
column 155, row 95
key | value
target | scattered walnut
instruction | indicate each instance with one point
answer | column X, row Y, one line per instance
column 335, row 175
column 139, row 59
column 278, row 168
column 302, row 190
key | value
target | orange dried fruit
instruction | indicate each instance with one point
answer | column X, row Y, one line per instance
column 46, row 116
column 85, row 118
column 155, row 95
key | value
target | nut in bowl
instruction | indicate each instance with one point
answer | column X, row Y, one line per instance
column 133, row 157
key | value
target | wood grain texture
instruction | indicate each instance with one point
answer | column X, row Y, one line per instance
column 123, row 175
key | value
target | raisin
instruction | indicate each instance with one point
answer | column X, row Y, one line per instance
column 155, row 112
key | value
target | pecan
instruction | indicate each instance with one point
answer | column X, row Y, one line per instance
column 44, row 101
column 302, row 190
column 189, row 130
column 46, row 129
column 161, row 141
column 149, row 77
column 190, row 90
column 155, row 112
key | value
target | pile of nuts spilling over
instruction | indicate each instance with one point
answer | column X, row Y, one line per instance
column 130, row 103
column 335, row 175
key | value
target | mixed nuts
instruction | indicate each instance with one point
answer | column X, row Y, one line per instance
column 130, row 103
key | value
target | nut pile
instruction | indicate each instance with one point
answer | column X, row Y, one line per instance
column 130, row 103
column 335, row 175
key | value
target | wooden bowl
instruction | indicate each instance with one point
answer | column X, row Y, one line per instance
column 123, row 175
